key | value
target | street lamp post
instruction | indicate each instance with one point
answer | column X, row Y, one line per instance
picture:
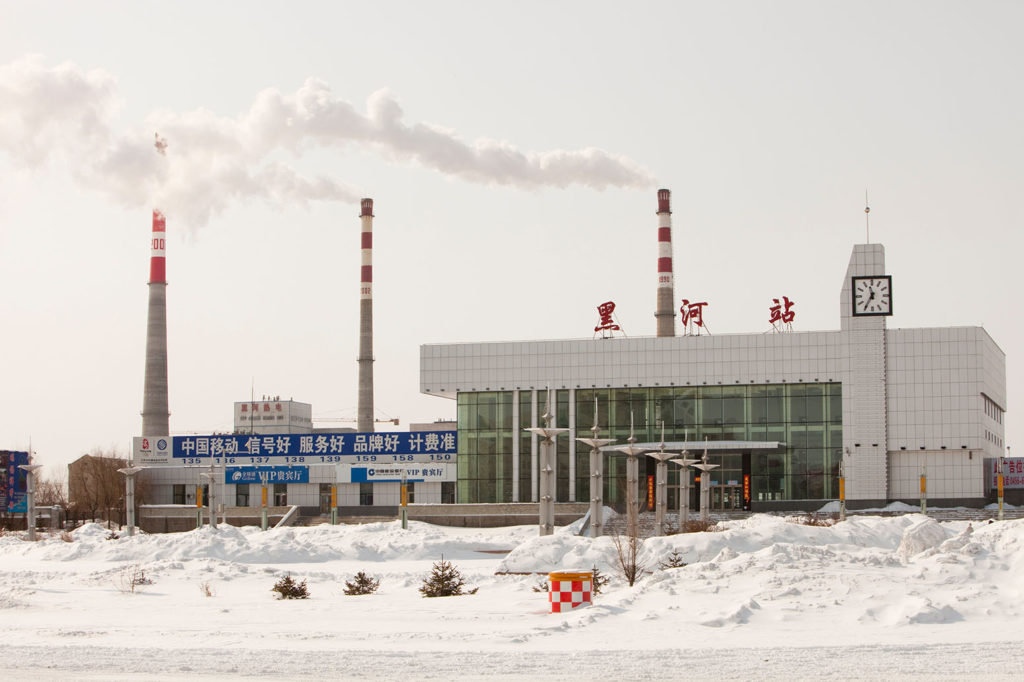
column 596, row 477
column 548, row 436
column 661, row 480
column 211, row 476
column 1001, row 481
column 842, row 490
column 684, row 463
column 632, row 476
column 30, row 497
column 129, row 495
column 264, row 477
column 705, row 485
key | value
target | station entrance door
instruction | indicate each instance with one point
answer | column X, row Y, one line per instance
column 726, row 497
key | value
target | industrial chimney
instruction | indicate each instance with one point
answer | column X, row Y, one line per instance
column 154, row 394
column 665, row 314
column 364, row 410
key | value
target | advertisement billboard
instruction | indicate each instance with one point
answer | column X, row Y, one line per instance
column 15, row 483
column 426, row 447
column 151, row 450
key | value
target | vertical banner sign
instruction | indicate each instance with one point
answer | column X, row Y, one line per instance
column 746, row 492
column 650, row 493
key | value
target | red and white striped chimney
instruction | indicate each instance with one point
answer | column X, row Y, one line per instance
column 155, row 415
column 364, row 409
column 665, row 314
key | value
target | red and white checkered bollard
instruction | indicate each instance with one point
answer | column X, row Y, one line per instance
column 568, row 591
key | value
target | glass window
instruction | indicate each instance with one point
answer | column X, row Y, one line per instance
column 178, row 493
column 280, row 494
column 365, row 494
column 241, row 495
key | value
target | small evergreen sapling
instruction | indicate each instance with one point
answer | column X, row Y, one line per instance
column 444, row 581
column 674, row 560
column 361, row 584
column 599, row 581
column 287, row 588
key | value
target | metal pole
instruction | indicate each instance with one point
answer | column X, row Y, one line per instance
column 684, row 463
column 661, row 478
column 632, row 477
column 1002, row 468
column 199, row 506
column 597, row 490
column 705, row 486
column 405, row 500
column 661, row 495
column 129, row 495
column 334, row 503
column 632, row 503
column 263, row 500
column 842, row 491
column 596, row 476
column 547, row 435
column 924, row 491
column 212, row 477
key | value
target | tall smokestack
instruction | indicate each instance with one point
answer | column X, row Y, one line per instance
column 665, row 314
column 364, row 411
column 154, row 394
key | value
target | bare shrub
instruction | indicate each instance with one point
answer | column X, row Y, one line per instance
column 206, row 588
column 811, row 519
column 698, row 526
column 361, row 584
column 287, row 588
column 132, row 576
column 628, row 554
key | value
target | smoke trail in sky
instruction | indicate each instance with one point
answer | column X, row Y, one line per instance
column 213, row 161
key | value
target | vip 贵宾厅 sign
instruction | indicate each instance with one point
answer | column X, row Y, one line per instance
column 414, row 473
column 242, row 475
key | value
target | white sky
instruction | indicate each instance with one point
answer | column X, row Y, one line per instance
column 766, row 120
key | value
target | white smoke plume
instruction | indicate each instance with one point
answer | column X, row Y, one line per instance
column 213, row 161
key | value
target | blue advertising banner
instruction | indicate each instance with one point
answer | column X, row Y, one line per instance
column 274, row 474
column 15, row 484
column 317, row 448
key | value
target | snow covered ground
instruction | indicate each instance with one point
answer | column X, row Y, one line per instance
column 765, row 598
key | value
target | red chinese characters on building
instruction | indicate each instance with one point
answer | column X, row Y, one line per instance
column 606, row 323
column 781, row 312
column 693, row 313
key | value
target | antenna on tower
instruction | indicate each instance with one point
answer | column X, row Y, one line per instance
column 867, row 218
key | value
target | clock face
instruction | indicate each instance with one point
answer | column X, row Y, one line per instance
column 872, row 295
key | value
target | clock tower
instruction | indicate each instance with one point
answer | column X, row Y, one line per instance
column 864, row 303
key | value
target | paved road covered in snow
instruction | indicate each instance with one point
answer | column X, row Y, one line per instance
column 763, row 598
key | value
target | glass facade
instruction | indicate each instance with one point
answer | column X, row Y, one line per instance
column 806, row 417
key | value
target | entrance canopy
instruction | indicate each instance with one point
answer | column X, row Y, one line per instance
column 710, row 445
